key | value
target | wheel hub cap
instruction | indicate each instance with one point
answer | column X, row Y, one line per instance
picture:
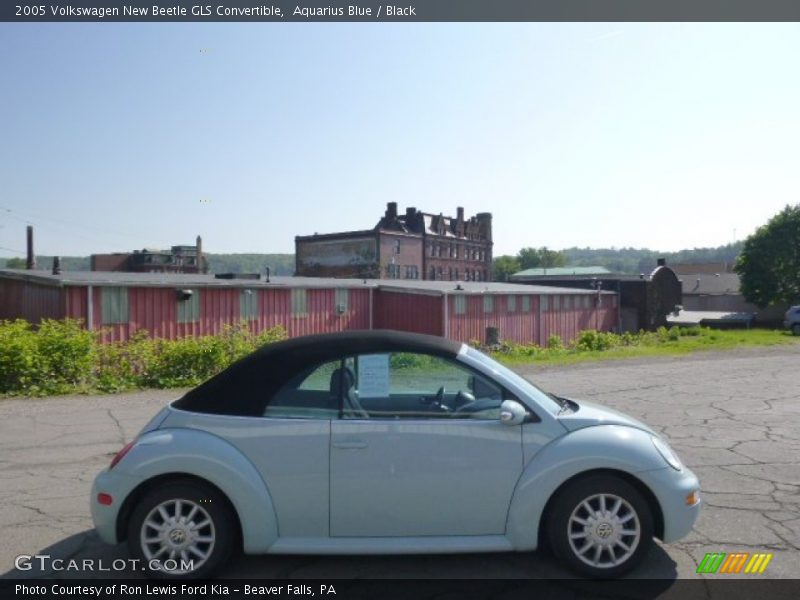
column 181, row 531
column 604, row 530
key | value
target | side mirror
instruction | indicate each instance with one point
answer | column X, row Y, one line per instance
column 512, row 413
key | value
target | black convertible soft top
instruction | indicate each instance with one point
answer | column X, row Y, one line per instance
column 245, row 387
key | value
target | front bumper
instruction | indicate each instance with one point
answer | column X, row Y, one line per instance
column 671, row 489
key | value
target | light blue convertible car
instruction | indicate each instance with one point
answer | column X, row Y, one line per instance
column 387, row 442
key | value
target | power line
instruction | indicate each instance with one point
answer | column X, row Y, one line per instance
column 26, row 219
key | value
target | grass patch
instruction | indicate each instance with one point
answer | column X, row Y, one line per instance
column 595, row 346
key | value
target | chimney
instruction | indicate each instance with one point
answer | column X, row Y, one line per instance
column 460, row 221
column 199, row 243
column 661, row 262
column 56, row 265
column 391, row 211
column 485, row 225
column 30, row 263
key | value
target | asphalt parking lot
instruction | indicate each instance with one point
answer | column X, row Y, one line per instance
column 733, row 417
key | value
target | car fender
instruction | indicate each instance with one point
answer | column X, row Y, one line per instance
column 209, row 457
column 615, row 447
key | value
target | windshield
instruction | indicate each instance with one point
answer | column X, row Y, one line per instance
column 542, row 398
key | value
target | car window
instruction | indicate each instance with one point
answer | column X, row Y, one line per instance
column 409, row 385
column 312, row 394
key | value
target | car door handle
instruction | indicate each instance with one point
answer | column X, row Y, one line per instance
column 350, row 444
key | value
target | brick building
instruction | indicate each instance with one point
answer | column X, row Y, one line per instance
column 413, row 245
column 178, row 259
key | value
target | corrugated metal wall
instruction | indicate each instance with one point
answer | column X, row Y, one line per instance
column 418, row 313
column 22, row 300
column 155, row 309
column 565, row 316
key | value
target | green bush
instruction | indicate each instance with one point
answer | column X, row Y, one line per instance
column 554, row 343
column 60, row 356
column 594, row 341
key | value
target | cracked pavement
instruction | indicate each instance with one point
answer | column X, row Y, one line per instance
column 733, row 417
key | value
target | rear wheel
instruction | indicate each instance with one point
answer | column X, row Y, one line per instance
column 601, row 526
column 796, row 329
column 181, row 530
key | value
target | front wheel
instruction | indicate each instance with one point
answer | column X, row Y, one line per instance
column 601, row 526
column 181, row 530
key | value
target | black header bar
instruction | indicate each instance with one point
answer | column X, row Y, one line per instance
column 401, row 11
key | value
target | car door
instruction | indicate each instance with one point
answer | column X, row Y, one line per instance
column 421, row 455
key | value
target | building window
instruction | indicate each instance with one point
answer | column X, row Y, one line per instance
column 432, row 274
column 450, row 273
column 526, row 304
column 393, row 271
column 248, row 305
column 488, row 304
column 299, row 302
column 188, row 306
column 456, row 251
column 439, row 273
column 460, row 304
column 511, row 303
column 341, row 298
column 543, row 302
column 456, row 272
column 114, row 305
column 397, row 247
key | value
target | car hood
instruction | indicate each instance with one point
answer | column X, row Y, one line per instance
column 589, row 414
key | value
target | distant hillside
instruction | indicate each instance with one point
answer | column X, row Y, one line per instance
column 643, row 260
column 617, row 260
column 279, row 264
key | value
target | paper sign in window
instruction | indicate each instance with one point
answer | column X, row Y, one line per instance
column 373, row 376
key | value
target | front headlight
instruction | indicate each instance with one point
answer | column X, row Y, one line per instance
column 666, row 452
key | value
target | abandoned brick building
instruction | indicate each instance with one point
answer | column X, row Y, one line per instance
column 413, row 245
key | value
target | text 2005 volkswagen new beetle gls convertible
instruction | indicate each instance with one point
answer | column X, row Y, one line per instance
column 386, row 442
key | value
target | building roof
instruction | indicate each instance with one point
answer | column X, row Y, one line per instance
column 561, row 272
column 189, row 280
column 711, row 284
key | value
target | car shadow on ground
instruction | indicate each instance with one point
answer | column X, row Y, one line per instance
column 85, row 556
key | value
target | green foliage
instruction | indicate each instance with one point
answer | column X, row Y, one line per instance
column 643, row 260
column 591, row 344
column 504, row 267
column 554, row 342
column 60, row 357
column 57, row 357
column 532, row 258
column 15, row 263
column 769, row 264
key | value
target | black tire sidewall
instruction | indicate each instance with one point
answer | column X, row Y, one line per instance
column 216, row 506
column 576, row 492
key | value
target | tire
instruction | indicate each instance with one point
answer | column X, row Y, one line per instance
column 182, row 520
column 600, row 526
column 796, row 329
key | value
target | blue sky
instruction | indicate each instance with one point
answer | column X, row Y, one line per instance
column 121, row 136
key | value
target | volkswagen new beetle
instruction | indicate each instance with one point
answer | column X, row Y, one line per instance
column 387, row 442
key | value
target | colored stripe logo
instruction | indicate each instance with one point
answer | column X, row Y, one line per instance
column 737, row 562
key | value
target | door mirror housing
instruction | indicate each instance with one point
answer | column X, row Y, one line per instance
column 512, row 413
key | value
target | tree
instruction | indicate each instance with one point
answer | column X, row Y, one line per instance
column 542, row 258
column 15, row 263
column 769, row 264
column 504, row 267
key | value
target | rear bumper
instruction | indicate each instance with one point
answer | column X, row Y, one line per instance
column 671, row 488
column 105, row 516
